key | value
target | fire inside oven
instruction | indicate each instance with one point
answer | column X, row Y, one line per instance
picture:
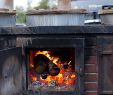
column 52, row 69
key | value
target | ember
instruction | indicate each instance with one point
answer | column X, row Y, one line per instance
column 51, row 70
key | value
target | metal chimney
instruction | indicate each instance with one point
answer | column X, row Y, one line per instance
column 64, row 4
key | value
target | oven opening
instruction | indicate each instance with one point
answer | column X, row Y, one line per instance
column 51, row 69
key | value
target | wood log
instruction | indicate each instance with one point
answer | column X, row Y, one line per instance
column 40, row 63
column 53, row 69
column 43, row 65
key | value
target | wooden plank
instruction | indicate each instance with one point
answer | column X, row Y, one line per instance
column 11, row 72
column 105, row 63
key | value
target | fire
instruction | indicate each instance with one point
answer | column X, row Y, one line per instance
column 73, row 76
column 66, row 77
column 47, row 54
column 34, row 78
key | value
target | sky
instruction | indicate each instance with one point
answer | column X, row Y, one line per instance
column 24, row 3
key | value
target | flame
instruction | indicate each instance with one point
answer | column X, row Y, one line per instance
column 34, row 78
column 60, row 78
column 47, row 54
column 73, row 76
column 31, row 65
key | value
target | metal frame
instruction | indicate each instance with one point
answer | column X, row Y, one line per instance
column 56, row 42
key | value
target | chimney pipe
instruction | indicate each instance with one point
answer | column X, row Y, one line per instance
column 64, row 4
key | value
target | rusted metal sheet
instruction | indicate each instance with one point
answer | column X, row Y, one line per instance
column 7, row 20
column 56, row 17
column 55, row 20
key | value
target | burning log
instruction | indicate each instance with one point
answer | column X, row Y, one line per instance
column 40, row 63
column 43, row 65
column 53, row 69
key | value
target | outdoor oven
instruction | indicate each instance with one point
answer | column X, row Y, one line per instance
column 41, row 64
column 54, row 66
column 56, row 60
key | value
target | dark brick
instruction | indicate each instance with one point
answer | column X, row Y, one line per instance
column 90, row 86
column 90, row 59
column 91, row 51
column 90, row 68
column 90, row 77
column 91, row 93
column 90, row 41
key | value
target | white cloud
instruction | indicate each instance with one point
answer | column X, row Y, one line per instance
column 24, row 3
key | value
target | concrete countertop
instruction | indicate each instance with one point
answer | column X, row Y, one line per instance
column 46, row 12
column 105, row 12
column 7, row 12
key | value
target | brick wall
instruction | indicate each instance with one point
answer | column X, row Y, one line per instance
column 90, row 67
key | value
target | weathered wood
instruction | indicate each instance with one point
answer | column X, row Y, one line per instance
column 42, row 64
column 11, row 72
column 90, row 30
column 105, row 46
